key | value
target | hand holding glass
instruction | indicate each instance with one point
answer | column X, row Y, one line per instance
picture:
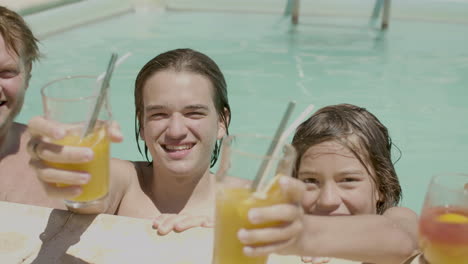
column 241, row 158
column 70, row 101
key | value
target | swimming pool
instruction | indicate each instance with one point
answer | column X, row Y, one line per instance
column 413, row 77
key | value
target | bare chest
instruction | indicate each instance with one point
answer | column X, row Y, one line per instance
column 19, row 184
column 139, row 204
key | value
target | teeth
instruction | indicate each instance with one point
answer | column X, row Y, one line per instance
column 182, row 147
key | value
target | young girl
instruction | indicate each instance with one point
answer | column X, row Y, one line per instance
column 349, row 192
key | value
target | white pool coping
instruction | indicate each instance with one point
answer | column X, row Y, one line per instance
column 18, row 5
column 65, row 17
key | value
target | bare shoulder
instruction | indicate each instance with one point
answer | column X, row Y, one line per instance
column 118, row 164
column 236, row 182
column 122, row 174
column 122, row 169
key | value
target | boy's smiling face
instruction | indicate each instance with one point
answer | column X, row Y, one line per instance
column 180, row 124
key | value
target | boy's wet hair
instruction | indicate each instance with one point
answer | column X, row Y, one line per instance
column 18, row 36
column 364, row 135
column 185, row 60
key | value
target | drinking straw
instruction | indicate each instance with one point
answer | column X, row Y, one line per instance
column 266, row 165
column 101, row 96
column 296, row 122
column 117, row 63
column 273, row 145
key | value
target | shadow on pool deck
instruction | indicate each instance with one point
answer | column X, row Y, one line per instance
column 59, row 234
column 31, row 234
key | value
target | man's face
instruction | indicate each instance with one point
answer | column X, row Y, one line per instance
column 180, row 122
column 13, row 84
column 337, row 182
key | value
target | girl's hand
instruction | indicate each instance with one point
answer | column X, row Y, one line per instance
column 283, row 239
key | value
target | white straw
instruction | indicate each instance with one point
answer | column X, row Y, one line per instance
column 273, row 145
column 117, row 63
column 287, row 132
column 296, row 123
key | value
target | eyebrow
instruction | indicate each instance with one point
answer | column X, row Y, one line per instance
column 307, row 173
column 351, row 172
column 341, row 173
column 197, row 107
column 188, row 107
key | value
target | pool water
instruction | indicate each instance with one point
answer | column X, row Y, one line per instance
column 414, row 77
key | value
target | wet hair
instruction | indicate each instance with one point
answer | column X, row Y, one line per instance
column 364, row 135
column 18, row 37
column 187, row 60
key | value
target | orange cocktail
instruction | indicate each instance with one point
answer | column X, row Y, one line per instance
column 232, row 206
column 98, row 168
column 71, row 102
column 443, row 233
column 248, row 162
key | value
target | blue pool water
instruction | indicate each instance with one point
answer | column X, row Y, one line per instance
column 414, row 77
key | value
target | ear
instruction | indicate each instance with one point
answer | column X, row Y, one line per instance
column 378, row 197
column 221, row 126
column 27, row 74
column 142, row 133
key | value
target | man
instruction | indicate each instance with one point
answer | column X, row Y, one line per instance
column 182, row 113
column 18, row 50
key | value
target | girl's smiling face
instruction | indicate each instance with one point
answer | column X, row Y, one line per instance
column 337, row 182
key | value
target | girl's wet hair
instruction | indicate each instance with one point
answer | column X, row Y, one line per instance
column 364, row 135
column 187, row 60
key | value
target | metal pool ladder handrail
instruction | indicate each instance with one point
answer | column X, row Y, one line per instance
column 383, row 5
column 292, row 8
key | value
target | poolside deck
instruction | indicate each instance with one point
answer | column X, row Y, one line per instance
column 22, row 4
column 422, row 10
column 26, row 7
column 31, row 234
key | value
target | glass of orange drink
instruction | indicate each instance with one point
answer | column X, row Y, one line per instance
column 242, row 158
column 70, row 101
column 443, row 225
